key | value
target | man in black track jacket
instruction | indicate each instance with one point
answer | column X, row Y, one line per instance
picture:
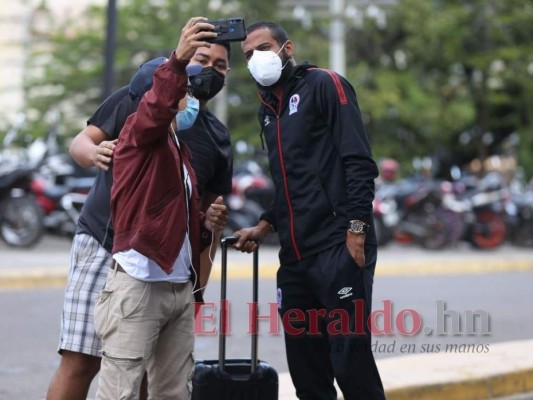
column 321, row 163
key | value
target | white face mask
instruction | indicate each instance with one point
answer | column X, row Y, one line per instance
column 185, row 119
column 265, row 67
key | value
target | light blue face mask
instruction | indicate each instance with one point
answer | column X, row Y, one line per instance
column 185, row 119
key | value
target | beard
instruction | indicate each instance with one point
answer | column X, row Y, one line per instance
column 286, row 72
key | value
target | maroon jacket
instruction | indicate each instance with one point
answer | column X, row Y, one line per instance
column 148, row 203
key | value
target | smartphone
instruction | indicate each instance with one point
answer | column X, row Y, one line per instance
column 228, row 30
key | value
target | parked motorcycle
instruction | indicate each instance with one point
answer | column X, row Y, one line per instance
column 61, row 204
column 21, row 221
column 410, row 211
column 481, row 204
column 61, row 190
column 41, row 187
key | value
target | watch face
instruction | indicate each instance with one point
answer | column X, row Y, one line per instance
column 357, row 226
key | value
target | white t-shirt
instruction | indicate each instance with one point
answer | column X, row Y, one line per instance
column 144, row 269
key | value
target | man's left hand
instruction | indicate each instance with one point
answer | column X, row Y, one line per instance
column 356, row 246
column 216, row 215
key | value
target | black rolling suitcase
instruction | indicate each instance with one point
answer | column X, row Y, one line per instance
column 234, row 379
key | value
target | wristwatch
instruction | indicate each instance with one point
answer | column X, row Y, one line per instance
column 358, row 227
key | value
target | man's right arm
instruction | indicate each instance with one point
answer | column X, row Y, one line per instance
column 94, row 145
column 90, row 148
column 248, row 236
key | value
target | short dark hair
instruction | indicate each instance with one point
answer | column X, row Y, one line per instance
column 227, row 47
column 278, row 33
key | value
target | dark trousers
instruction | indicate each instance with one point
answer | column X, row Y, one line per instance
column 325, row 301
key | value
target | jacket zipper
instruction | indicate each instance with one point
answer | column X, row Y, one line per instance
column 284, row 176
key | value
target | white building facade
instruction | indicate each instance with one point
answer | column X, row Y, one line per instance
column 17, row 39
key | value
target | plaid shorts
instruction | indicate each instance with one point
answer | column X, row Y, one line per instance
column 89, row 266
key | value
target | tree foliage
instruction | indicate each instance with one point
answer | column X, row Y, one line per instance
column 452, row 77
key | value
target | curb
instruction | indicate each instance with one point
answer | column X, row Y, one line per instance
column 37, row 277
column 491, row 387
column 13, row 278
column 243, row 270
column 507, row 369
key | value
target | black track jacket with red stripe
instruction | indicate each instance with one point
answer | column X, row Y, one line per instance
column 320, row 160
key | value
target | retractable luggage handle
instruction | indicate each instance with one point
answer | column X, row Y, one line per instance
column 224, row 242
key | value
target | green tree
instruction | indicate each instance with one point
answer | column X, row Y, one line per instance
column 442, row 76
column 67, row 72
column 447, row 74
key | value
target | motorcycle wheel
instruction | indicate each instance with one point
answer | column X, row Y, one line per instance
column 438, row 230
column 21, row 221
column 489, row 230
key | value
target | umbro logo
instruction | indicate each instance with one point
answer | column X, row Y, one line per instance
column 345, row 292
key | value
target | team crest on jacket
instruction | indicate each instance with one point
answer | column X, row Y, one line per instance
column 293, row 103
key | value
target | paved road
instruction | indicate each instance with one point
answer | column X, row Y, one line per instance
column 30, row 316
column 30, row 323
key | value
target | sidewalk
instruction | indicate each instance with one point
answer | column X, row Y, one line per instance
column 507, row 369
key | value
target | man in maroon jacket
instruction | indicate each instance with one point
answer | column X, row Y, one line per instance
column 144, row 316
